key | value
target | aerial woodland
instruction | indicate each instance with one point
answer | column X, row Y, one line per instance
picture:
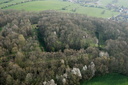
column 55, row 48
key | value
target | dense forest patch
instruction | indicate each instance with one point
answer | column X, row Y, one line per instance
column 59, row 48
column 61, row 31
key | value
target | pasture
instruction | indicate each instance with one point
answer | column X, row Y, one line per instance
column 59, row 5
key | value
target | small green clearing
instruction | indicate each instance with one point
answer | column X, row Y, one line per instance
column 108, row 79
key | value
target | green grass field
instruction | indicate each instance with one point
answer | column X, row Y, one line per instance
column 108, row 79
column 58, row 5
column 11, row 2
